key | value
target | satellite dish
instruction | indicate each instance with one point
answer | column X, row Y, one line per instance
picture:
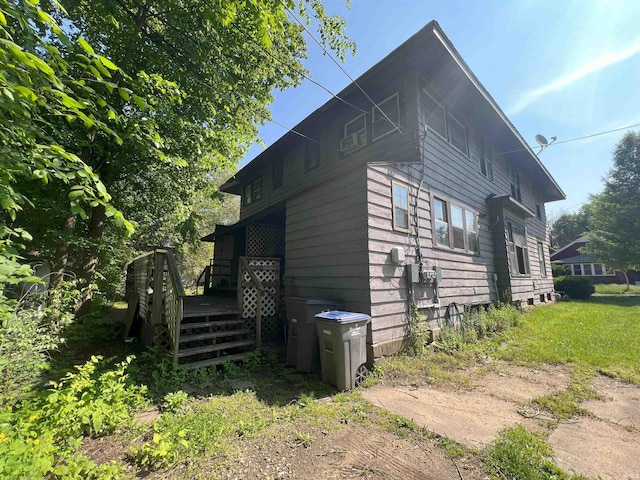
column 542, row 141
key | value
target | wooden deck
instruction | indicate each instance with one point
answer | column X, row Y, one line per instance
column 209, row 305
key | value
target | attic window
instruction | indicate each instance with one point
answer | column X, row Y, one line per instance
column 387, row 109
column 434, row 115
column 514, row 184
column 252, row 191
column 458, row 135
column 486, row 159
column 355, row 134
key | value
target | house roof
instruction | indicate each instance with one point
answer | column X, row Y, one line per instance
column 576, row 259
column 582, row 239
column 431, row 33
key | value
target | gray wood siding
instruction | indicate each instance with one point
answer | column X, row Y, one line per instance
column 326, row 242
column 332, row 162
column 466, row 279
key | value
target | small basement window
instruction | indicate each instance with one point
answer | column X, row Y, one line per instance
column 458, row 135
column 434, row 114
column 400, row 207
column 389, row 108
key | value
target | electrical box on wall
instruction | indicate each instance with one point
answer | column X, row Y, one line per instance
column 397, row 255
column 413, row 273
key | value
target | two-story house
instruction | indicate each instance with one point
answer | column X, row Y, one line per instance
column 418, row 194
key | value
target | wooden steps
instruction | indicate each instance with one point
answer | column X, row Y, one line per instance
column 211, row 338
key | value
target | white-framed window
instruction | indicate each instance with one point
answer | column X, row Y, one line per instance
column 252, row 191
column 486, row 159
column 387, row 109
column 454, row 226
column 434, row 114
column 357, row 126
column 514, row 184
column 543, row 263
column 458, row 135
column 400, row 195
column 590, row 270
column 517, row 250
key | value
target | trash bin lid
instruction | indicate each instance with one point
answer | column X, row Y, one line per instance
column 312, row 300
column 339, row 316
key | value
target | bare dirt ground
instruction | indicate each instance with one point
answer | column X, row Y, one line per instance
column 605, row 445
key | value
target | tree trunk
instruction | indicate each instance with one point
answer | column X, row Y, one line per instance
column 61, row 256
column 626, row 279
column 90, row 266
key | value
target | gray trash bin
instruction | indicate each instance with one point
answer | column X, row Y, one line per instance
column 302, row 337
column 343, row 348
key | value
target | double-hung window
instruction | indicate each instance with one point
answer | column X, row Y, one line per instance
column 458, row 135
column 434, row 114
column 486, row 159
column 385, row 116
column 518, row 250
column 400, row 207
column 455, row 226
column 252, row 191
column 312, row 157
column 543, row 263
column 514, row 184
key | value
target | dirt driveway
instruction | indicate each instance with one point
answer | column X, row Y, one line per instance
column 605, row 444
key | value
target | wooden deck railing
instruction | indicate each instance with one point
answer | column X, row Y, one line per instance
column 155, row 291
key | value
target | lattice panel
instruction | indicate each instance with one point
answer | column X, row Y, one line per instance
column 265, row 240
column 250, row 301
column 171, row 310
column 141, row 280
column 270, row 330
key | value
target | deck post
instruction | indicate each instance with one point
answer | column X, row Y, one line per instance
column 158, row 274
column 259, row 320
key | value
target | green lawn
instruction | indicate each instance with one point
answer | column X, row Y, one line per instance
column 601, row 333
column 616, row 288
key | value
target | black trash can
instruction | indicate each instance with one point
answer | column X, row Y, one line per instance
column 302, row 337
column 343, row 348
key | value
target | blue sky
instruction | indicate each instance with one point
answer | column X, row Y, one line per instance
column 566, row 68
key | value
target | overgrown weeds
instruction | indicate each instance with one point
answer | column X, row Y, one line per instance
column 518, row 453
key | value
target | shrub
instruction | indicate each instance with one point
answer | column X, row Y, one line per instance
column 560, row 270
column 575, row 287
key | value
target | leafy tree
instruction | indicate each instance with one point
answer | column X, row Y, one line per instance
column 615, row 213
column 224, row 58
column 568, row 227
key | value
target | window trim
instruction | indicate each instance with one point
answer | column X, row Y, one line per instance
column 464, row 128
column 362, row 131
column 444, row 118
column 396, row 227
column 513, row 173
column 383, row 119
column 486, row 158
column 447, row 201
column 251, row 185
column 541, row 260
column 605, row 271
column 512, row 252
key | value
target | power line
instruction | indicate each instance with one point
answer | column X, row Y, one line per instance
column 300, row 134
column 340, row 66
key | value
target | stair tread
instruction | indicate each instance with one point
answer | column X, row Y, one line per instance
column 215, row 361
column 210, row 335
column 218, row 323
column 210, row 314
column 185, row 352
